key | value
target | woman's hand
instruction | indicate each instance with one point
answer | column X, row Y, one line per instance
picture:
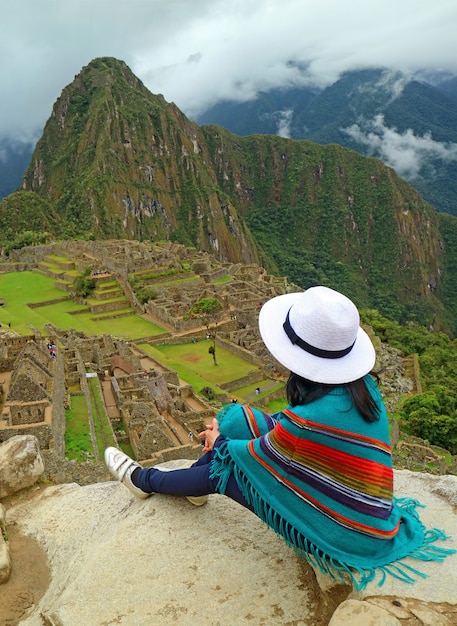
column 210, row 435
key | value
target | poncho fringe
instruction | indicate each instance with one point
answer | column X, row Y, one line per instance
column 223, row 466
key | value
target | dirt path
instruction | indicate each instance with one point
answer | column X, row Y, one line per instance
column 30, row 577
column 110, row 402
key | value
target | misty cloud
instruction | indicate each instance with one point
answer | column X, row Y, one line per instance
column 392, row 82
column 198, row 53
column 284, row 121
column 405, row 152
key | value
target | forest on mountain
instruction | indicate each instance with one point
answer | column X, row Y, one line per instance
column 411, row 124
column 431, row 412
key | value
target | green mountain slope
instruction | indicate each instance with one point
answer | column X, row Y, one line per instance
column 323, row 214
column 364, row 110
column 116, row 161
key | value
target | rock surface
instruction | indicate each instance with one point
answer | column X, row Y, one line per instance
column 118, row 560
column 115, row 559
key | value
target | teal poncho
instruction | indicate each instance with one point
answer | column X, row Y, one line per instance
column 321, row 477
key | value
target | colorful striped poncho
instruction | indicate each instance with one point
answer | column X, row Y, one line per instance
column 321, row 477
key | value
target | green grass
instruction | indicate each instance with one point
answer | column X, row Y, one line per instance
column 77, row 436
column 19, row 288
column 103, row 432
column 59, row 259
column 195, row 366
column 78, row 444
column 107, row 287
column 247, row 394
column 276, row 405
column 191, row 376
column 96, row 302
column 221, row 281
column 190, row 357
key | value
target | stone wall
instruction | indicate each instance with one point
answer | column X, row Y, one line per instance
column 7, row 364
column 10, row 347
column 42, row 432
column 31, row 255
column 162, row 314
column 103, row 307
column 36, row 305
column 15, row 267
column 253, row 377
column 35, row 372
column 27, row 412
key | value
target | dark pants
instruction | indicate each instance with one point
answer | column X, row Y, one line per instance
column 192, row 481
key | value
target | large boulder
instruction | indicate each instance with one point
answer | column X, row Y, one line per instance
column 21, row 464
column 116, row 559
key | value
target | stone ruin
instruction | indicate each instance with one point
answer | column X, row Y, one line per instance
column 26, row 379
column 147, row 404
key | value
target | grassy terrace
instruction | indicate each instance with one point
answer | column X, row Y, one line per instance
column 195, row 366
column 20, row 288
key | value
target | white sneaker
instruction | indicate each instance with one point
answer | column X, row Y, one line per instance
column 121, row 467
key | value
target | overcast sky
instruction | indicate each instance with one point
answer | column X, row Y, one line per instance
column 195, row 52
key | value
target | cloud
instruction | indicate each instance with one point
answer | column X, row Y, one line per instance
column 284, row 121
column 405, row 152
column 262, row 44
column 391, row 82
column 196, row 53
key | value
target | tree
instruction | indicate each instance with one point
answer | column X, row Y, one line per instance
column 208, row 310
column 440, row 430
column 84, row 284
column 145, row 293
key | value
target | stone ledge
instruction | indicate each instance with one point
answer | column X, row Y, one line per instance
column 438, row 494
column 164, row 561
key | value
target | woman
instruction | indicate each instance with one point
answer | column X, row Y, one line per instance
column 319, row 473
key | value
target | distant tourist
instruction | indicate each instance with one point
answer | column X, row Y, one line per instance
column 319, row 473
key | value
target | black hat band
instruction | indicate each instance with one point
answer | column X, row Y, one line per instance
column 301, row 343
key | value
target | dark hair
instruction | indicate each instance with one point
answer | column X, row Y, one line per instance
column 302, row 391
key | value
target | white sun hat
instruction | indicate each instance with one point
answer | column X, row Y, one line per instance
column 316, row 334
